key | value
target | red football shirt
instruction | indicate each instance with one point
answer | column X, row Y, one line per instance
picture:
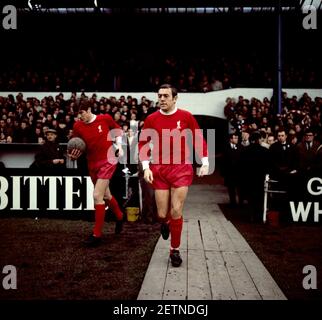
column 174, row 138
column 97, row 137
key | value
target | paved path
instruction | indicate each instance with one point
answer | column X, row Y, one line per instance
column 218, row 263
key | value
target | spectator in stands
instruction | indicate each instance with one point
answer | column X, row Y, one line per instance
column 281, row 158
column 123, row 120
column 230, row 110
column 263, row 139
column 317, row 162
column 254, row 163
column 69, row 121
column 305, row 152
column 204, row 85
column 182, row 84
column 117, row 118
column 3, row 127
column 22, row 134
column 230, row 169
column 9, row 126
column 216, row 84
column 36, row 134
column 144, row 112
column 134, row 123
column 270, row 139
column 245, row 138
column 50, row 156
column 3, row 138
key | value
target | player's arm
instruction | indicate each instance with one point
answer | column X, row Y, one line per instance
column 145, row 151
column 200, row 147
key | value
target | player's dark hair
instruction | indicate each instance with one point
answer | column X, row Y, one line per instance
column 174, row 90
column 84, row 105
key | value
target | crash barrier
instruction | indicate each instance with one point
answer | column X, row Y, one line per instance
column 269, row 189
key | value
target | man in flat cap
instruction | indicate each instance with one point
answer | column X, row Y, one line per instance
column 50, row 155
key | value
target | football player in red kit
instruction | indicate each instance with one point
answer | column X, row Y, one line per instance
column 170, row 171
column 96, row 131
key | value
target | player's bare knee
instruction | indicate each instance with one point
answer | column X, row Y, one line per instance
column 176, row 212
column 98, row 197
column 177, row 206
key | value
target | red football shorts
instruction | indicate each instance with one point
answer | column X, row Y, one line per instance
column 166, row 176
column 101, row 170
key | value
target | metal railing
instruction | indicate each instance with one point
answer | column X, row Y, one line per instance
column 268, row 190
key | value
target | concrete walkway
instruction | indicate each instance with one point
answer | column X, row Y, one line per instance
column 218, row 263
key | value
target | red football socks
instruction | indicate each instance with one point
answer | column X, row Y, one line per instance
column 175, row 231
column 99, row 219
column 113, row 205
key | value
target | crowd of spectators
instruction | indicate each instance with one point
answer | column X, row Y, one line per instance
column 297, row 115
column 27, row 120
column 286, row 146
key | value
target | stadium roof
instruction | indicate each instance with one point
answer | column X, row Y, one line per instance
column 163, row 6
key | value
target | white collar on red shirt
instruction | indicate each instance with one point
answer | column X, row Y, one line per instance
column 93, row 119
column 169, row 113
